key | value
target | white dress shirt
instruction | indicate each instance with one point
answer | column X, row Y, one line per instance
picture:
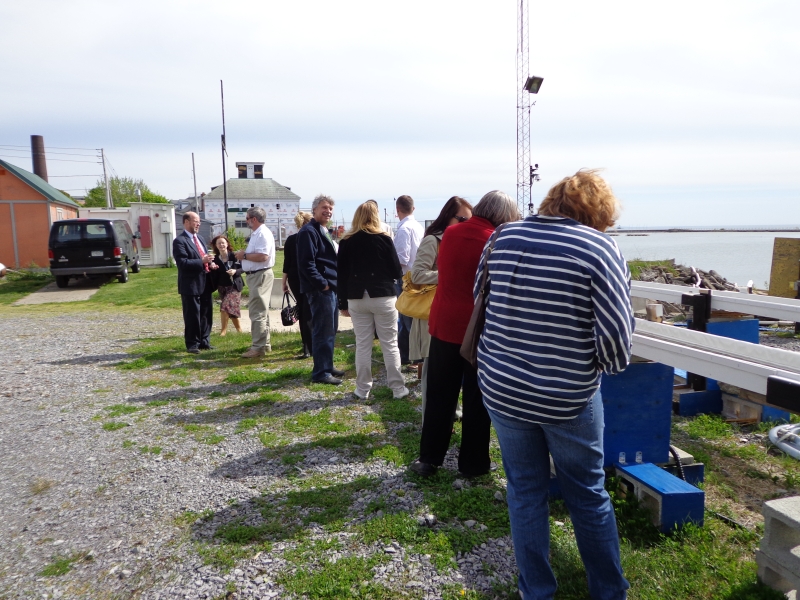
column 406, row 241
column 261, row 242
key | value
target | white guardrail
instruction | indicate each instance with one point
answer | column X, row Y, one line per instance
column 784, row 309
column 738, row 363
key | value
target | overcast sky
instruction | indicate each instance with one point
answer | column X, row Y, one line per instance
column 692, row 108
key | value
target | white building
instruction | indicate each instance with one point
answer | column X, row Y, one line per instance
column 251, row 189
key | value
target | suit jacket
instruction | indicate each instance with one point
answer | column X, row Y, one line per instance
column 192, row 276
column 290, row 263
column 316, row 259
column 367, row 261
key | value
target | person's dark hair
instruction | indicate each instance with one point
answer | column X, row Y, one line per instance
column 405, row 203
column 449, row 210
column 214, row 244
column 496, row 207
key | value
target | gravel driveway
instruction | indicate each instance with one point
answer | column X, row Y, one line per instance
column 73, row 492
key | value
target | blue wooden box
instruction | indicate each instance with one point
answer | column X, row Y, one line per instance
column 638, row 410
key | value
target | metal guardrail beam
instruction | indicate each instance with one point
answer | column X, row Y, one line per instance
column 738, row 363
column 784, row 309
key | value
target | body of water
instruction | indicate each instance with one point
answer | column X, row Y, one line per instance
column 737, row 256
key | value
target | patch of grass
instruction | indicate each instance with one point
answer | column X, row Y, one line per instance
column 709, row 427
column 18, row 285
column 246, row 424
column 41, row 485
column 114, row 425
column 245, row 376
column 315, row 424
column 399, row 411
column 117, row 410
column 292, row 459
column 349, row 577
column 203, row 433
column 128, row 443
column 151, row 288
column 403, row 528
column 150, row 450
column 225, row 557
column 133, row 365
column 637, row 266
column 217, row 394
column 61, row 565
column 265, row 399
column 391, row 454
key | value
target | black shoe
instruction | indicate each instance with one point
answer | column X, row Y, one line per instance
column 193, row 350
column 302, row 356
column 472, row 475
column 330, row 380
column 337, row 373
column 422, row 469
column 209, row 347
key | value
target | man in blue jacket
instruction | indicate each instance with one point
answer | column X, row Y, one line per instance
column 316, row 266
column 194, row 264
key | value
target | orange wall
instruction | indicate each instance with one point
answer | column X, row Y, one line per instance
column 67, row 212
column 6, row 237
column 13, row 188
column 33, row 231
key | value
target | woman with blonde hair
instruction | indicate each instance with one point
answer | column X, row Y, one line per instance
column 367, row 269
column 558, row 316
column 291, row 283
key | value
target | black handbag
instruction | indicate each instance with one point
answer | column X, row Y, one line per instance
column 469, row 347
column 288, row 311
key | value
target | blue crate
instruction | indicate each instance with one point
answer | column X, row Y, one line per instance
column 672, row 501
column 638, row 409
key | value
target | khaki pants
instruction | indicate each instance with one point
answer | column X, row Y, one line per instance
column 370, row 315
column 260, row 286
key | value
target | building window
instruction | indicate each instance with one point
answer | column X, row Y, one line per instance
column 59, row 214
column 241, row 225
column 242, row 171
column 258, row 171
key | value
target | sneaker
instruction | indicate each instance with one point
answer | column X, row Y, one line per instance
column 401, row 394
column 254, row 353
column 422, row 469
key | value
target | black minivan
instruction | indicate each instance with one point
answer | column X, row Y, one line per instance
column 92, row 248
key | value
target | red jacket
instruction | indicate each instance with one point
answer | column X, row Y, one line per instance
column 459, row 254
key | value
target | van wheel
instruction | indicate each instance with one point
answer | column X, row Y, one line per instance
column 62, row 281
column 123, row 277
column 135, row 267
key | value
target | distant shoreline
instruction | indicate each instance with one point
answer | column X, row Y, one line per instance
column 766, row 229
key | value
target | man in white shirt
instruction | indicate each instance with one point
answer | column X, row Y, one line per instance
column 257, row 262
column 406, row 242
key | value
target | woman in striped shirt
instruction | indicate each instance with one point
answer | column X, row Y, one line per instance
column 558, row 316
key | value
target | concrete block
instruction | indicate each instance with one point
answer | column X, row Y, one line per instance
column 672, row 501
column 734, row 407
column 773, row 574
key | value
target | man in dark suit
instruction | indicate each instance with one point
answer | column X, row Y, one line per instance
column 194, row 284
column 316, row 265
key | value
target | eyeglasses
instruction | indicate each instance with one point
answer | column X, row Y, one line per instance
column 461, row 219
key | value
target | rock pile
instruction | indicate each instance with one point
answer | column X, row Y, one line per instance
column 688, row 276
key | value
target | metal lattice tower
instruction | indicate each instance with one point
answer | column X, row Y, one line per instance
column 523, row 110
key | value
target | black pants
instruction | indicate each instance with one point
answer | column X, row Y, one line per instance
column 449, row 373
column 198, row 314
column 304, row 319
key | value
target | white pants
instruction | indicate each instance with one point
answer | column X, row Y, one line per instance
column 370, row 315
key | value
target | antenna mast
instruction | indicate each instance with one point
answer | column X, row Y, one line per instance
column 224, row 152
column 523, row 110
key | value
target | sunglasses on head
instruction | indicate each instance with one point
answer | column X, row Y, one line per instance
column 461, row 219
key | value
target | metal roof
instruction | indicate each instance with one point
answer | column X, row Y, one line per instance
column 39, row 184
column 254, row 189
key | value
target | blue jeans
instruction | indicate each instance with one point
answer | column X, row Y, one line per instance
column 577, row 450
column 324, row 320
column 403, row 328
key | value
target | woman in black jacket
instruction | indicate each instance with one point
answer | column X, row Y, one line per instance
column 368, row 266
column 291, row 283
column 227, row 280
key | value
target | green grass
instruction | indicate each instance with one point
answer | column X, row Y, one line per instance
column 151, row 288
column 61, row 565
column 117, row 410
column 114, row 426
column 18, row 285
column 637, row 266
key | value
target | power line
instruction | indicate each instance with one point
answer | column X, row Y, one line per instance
column 52, row 147
column 90, row 175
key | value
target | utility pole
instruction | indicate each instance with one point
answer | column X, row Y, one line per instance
column 109, row 200
column 224, row 152
column 194, row 178
column 523, row 109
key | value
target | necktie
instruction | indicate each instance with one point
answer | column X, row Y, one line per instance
column 201, row 250
column 326, row 233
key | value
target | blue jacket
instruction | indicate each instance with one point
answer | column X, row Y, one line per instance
column 316, row 259
column 192, row 276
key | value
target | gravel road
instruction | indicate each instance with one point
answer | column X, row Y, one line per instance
column 69, row 489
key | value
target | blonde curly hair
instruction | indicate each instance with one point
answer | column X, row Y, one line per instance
column 585, row 197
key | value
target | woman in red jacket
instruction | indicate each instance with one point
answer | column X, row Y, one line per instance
column 448, row 372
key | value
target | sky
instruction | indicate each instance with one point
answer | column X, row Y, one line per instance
column 692, row 109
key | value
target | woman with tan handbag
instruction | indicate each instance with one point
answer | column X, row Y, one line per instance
column 425, row 272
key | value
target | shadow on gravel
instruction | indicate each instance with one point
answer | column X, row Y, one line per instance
column 86, row 360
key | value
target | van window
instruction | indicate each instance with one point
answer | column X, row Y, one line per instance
column 70, row 233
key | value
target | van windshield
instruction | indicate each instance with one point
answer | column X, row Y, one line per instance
column 68, row 233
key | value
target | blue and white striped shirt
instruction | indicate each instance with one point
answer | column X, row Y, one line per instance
column 558, row 313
